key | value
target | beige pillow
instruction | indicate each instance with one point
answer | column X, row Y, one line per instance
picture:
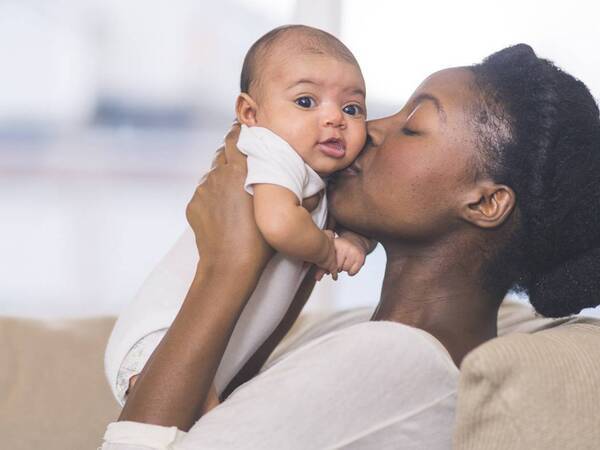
column 532, row 391
column 53, row 394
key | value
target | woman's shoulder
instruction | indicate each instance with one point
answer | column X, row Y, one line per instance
column 396, row 341
column 354, row 334
column 363, row 345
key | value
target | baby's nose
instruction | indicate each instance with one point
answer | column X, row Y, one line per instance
column 334, row 117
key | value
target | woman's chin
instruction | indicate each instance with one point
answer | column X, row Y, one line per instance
column 341, row 209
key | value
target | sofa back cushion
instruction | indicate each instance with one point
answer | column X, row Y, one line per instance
column 532, row 391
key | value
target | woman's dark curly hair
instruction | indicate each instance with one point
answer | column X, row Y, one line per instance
column 538, row 129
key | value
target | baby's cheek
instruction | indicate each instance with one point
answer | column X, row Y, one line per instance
column 358, row 141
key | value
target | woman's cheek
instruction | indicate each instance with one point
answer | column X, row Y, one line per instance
column 359, row 140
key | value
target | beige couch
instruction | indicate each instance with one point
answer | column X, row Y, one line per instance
column 521, row 391
column 53, row 394
column 532, row 391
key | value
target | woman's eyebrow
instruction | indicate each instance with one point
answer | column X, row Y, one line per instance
column 425, row 96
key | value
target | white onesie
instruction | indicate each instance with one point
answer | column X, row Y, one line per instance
column 144, row 321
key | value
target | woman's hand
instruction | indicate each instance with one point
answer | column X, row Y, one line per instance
column 221, row 214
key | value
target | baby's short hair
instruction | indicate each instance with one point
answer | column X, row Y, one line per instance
column 309, row 39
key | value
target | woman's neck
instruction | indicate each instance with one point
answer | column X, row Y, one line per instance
column 430, row 290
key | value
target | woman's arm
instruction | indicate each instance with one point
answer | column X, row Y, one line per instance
column 175, row 382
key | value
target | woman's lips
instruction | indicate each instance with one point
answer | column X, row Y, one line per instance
column 334, row 148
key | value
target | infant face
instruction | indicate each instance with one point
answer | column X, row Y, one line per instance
column 317, row 104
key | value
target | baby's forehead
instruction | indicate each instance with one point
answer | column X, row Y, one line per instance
column 293, row 64
column 283, row 55
column 297, row 43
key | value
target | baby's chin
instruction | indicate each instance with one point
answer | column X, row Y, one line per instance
column 329, row 172
column 328, row 168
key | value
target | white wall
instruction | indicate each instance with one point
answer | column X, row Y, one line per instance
column 86, row 213
column 400, row 43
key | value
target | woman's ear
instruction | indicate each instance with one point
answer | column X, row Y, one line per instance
column 489, row 204
column 245, row 109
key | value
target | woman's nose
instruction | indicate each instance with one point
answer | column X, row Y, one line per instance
column 375, row 133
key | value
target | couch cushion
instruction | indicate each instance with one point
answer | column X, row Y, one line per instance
column 53, row 394
column 532, row 391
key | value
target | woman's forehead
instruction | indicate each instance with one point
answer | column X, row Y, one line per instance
column 449, row 90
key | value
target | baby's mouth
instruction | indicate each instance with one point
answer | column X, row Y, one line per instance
column 333, row 147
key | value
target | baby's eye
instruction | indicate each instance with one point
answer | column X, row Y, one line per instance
column 305, row 102
column 352, row 110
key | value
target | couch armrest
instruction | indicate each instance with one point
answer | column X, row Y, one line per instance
column 532, row 391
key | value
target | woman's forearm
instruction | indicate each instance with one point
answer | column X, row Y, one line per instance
column 175, row 382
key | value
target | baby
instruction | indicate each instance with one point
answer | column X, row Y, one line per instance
column 302, row 110
column 303, row 95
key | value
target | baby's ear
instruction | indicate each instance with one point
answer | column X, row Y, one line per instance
column 245, row 109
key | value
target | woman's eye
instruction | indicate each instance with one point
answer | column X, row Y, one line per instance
column 305, row 102
column 352, row 110
column 409, row 132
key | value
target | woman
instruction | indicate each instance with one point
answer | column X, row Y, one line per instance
column 487, row 179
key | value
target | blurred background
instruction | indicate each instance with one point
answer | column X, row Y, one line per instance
column 110, row 111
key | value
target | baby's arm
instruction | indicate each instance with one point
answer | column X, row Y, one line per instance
column 288, row 227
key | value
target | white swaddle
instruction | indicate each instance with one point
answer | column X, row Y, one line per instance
column 144, row 321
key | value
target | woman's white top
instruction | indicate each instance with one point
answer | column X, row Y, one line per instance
column 339, row 382
column 143, row 323
column 345, row 382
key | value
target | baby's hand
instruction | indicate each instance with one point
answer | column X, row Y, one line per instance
column 329, row 263
column 350, row 255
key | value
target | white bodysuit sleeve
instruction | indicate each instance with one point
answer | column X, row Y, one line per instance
column 271, row 160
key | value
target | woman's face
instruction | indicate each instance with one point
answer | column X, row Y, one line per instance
column 409, row 180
